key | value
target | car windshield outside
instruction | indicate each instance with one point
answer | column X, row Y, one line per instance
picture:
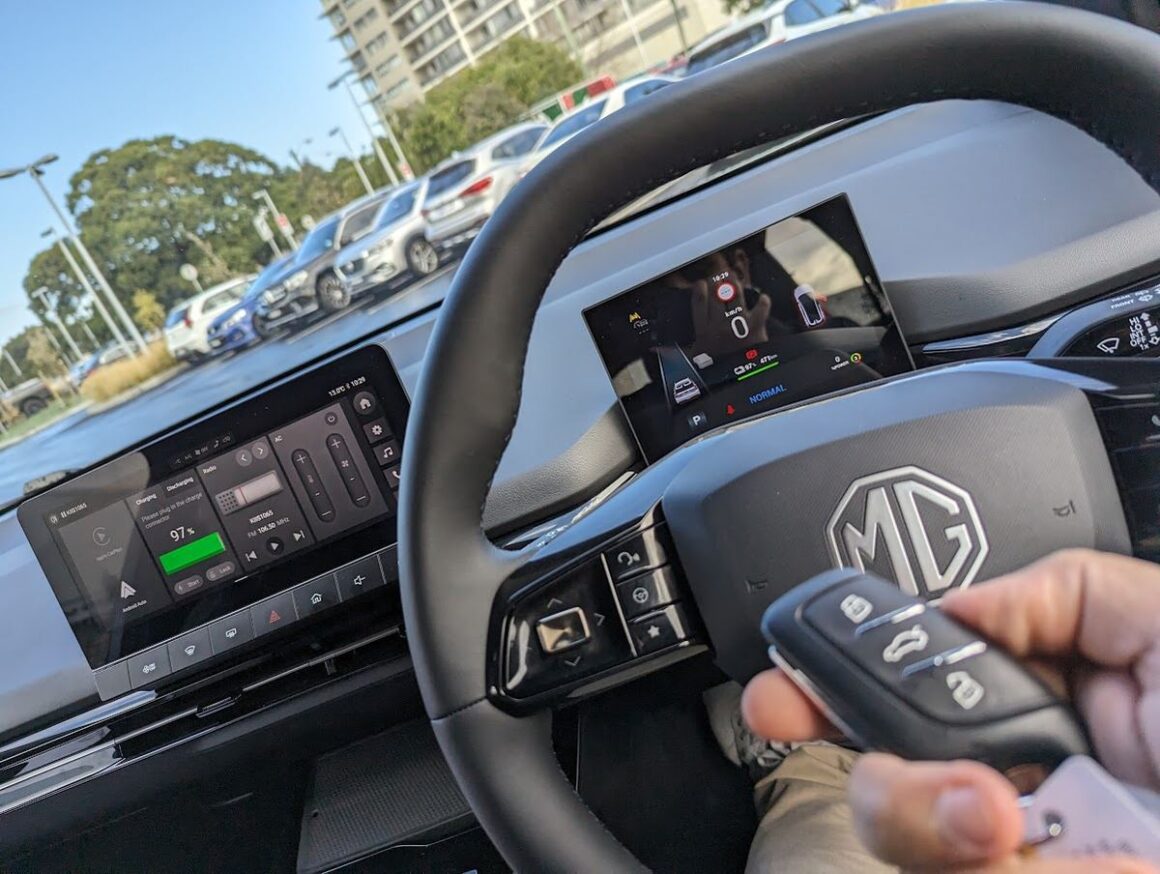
column 727, row 48
column 448, row 177
column 145, row 172
column 573, row 124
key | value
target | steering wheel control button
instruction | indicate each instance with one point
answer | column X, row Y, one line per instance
column 189, row 649
column 316, row 595
column 562, row 631
column 273, row 613
column 231, row 631
column 647, row 592
column 112, row 680
column 365, row 403
column 641, row 553
column 387, row 453
column 1128, row 425
column 146, row 668
column 377, row 430
column 360, row 576
column 660, row 630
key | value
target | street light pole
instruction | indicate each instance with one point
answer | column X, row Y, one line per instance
column 264, row 195
column 390, row 171
column 635, row 33
column 12, row 361
column 362, row 174
column 42, row 293
column 35, row 172
column 89, row 334
column 110, row 323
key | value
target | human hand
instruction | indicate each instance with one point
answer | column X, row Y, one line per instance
column 1090, row 622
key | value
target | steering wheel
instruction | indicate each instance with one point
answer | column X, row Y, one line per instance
column 746, row 509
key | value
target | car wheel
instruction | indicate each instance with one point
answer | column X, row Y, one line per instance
column 332, row 293
column 263, row 330
column 32, row 406
column 422, row 257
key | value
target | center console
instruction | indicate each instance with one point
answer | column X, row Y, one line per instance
column 204, row 544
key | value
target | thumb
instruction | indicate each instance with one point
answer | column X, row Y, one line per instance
column 934, row 814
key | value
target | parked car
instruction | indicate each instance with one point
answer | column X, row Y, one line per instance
column 624, row 94
column 397, row 251
column 465, row 190
column 235, row 327
column 81, row 370
column 26, row 399
column 313, row 286
column 774, row 23
column 187, row 326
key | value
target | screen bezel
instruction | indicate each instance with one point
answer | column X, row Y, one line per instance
column 243, row 420
column 862, row 256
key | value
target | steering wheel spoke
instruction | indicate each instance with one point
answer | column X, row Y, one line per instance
column 619, row 609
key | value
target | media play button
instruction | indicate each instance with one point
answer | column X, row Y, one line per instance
column 274, row 546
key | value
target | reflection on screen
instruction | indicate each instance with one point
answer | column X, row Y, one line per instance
column 793, row 311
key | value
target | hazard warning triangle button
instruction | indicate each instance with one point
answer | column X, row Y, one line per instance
column 273, row 613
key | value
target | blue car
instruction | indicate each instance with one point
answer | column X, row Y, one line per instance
column 236, row 328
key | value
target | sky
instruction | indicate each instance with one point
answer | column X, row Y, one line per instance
column 78, row 76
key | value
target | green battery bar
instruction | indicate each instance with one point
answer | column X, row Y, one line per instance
column 191, row 553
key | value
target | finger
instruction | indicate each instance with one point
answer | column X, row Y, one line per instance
column 1106, row 607
column 1085, row 865
column 934, row 814
column 760, row 311
column 776, row 709
column 1110, row 700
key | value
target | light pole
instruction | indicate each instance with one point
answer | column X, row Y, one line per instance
column 358, row 167
column 635, row 33
column 36, row 173
column 42, row 293
column 12, row 361
column 344, row 79
column 110, row 323
column 287, row 231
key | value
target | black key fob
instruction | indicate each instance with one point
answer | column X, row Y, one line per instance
column 897, row 674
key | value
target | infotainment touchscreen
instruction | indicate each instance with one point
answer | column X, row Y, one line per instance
column 791, row 312
column 226, row 511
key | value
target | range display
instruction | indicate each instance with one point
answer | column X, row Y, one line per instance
column 203, row 521
column 791, row 312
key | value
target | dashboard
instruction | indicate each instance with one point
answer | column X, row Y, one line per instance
column 950, row 231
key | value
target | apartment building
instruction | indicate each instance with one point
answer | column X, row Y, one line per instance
column 400, row 49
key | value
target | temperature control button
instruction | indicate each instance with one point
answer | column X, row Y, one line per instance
column 308, row 474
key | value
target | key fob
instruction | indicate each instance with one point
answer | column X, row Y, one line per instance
column 897, row 674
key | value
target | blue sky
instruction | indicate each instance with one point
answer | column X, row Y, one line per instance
column 78, row 76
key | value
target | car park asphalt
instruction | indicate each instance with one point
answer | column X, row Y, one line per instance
column 77, row 440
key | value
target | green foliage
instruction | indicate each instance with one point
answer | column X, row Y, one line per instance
column 147, row 310
column 42, row 356
column 481, row 100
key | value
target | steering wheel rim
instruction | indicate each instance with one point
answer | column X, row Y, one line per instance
column 1047, row 58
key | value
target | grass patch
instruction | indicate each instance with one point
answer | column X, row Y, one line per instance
column 24, row 424
column 120, row 376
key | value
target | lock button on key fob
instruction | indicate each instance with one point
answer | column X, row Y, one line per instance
column 900, row 675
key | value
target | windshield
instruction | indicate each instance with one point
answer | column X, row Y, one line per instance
column 167, row 173
column 397, row 207
column 449, row 177
column 317, row 241
column 727, row 48
column 573, row 124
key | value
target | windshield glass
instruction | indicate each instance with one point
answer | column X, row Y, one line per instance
column 167, row 173
column 448, row 177
column 573, row 124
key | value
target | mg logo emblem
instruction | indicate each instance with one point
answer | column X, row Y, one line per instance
column 910, row 526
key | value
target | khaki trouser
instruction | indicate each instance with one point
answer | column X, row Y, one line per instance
column 806, row 825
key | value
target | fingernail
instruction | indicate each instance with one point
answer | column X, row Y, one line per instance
column 964, row 822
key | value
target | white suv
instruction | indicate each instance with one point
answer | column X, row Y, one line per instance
column 188, row 322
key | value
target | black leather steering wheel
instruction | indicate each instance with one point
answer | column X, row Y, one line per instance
column 1096, row 73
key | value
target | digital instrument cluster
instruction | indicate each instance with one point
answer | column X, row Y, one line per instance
column 791, row 312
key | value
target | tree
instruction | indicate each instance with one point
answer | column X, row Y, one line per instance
column 149, row 206
column 42, row 356
column 147, row 310
column 482, row 100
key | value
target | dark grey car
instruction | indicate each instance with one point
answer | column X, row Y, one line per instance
column 314, row 286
